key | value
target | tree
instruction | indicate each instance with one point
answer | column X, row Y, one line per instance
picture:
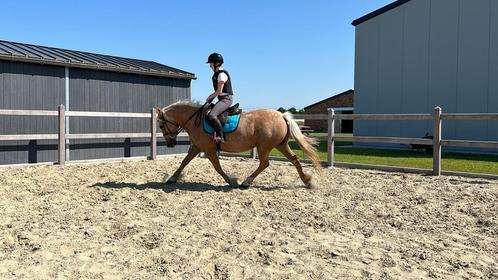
column 281, row 110
column 292, row 110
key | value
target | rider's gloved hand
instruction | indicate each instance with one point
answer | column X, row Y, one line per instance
column 210, row 98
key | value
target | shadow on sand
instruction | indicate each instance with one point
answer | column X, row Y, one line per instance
column 192, row 187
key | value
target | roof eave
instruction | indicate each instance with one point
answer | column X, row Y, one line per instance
column 97, row 67
column 378, row 12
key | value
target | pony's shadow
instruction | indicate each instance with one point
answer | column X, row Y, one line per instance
column 191, row 187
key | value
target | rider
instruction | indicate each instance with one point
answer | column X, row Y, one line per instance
column 223, row 90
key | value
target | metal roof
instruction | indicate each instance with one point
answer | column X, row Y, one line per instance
column 55, row 56
column 379, row 11
column 330, row 98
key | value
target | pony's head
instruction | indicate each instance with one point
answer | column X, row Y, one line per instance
column 169, row 127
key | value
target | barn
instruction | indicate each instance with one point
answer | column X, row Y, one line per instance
column 413, row 55
column 342, row 103
column 36, row 77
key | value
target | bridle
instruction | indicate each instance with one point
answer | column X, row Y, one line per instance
column 180, row 128
column 171, row 135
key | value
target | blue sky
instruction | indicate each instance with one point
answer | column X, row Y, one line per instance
column 279, row 53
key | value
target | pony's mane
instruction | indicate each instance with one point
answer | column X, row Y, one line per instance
column 186, row 103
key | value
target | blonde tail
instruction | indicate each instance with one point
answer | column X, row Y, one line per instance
column 307, row 144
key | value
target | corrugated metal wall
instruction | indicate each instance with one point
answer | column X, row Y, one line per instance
column 424, row 54
column 26, row 86
column 92, row 90
column 42, row 87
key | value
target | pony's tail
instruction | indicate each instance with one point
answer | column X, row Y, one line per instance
column 307, row 144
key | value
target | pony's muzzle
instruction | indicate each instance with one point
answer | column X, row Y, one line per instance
column 171, row 142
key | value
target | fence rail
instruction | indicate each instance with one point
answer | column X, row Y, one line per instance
column 61, row 136
column 391, row 140
column 181, row 136
column 28, row 137
column 436, row 143
column 385, row 117
column 467, row 143
column 107, row 114
column 469, row 116
column 4, row 112
column 393, row 117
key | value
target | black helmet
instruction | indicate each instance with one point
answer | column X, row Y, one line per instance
column 215, row 58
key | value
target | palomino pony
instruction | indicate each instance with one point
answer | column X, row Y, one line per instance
column 264, row 129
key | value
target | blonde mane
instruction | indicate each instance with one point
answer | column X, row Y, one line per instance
column 189, row 103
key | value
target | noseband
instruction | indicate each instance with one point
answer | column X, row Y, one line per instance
column 171, row 134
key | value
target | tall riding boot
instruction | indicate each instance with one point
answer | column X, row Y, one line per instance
column 219, row 130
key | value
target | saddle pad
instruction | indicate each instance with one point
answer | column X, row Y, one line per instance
column 230, row 126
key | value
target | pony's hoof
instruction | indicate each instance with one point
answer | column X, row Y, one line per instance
column 247, row 182
column 171, row 181
column 310, row 185
column 307, row 181
column 233, row 182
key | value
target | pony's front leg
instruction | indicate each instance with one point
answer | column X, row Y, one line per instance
column 263, row 164
column 217, row 166
column 192, row 153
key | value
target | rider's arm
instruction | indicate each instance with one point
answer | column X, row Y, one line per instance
column 219, row 88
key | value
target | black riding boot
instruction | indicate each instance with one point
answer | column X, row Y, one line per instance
column 219, row 130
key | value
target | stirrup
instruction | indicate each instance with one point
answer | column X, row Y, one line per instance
column 218, row 139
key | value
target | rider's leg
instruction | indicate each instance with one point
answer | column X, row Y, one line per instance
column 224, row 103
column 220, row 137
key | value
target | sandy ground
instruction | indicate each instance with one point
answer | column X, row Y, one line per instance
column 119, row 221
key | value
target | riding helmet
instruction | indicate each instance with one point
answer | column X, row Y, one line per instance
column 215, row 58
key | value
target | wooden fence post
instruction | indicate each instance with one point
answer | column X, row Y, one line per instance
column 62, row 135
column 331, row 135
column 436, row 142
column 254, row 153
column 153, row 138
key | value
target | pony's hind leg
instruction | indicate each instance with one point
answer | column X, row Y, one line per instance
column 263, row 163
column 289, row 154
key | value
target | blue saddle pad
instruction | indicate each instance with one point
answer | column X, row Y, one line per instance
column 230, row 126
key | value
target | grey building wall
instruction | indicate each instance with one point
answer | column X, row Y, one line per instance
column 424, row 54
column 92, row 90
column 27, row 86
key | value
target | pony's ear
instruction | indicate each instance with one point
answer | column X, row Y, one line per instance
column 159, row 113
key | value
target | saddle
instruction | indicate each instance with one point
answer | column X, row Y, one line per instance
column 229, row 120
column 223, row 117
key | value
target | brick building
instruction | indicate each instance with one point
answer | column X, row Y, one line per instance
column 342, row 103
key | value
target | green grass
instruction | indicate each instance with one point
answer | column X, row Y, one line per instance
column 475, row 163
